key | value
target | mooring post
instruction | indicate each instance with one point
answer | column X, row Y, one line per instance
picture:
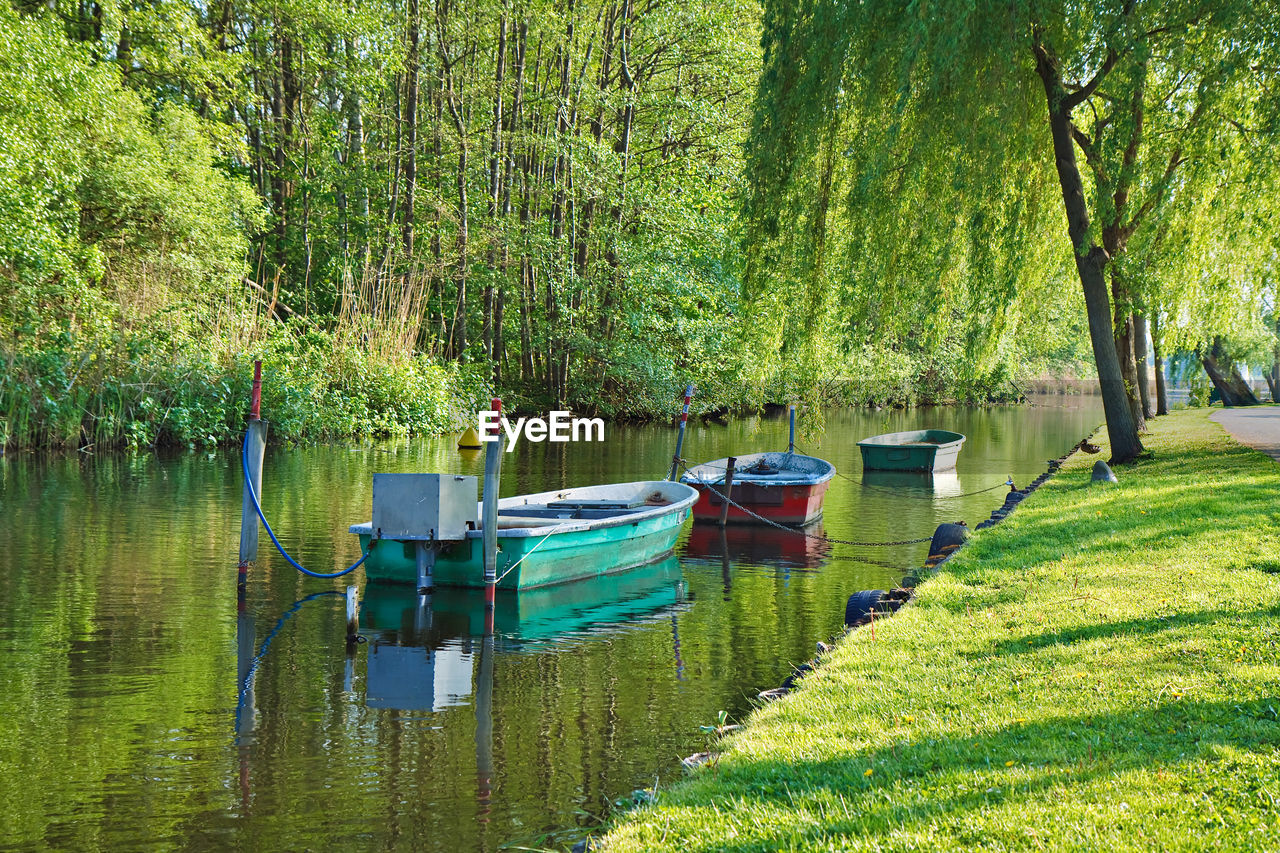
column 255, row 445
column 353, row 615
column 684, row 417
column 489, row 514
column 791, row 434
column 246, row 639
column 728, row 490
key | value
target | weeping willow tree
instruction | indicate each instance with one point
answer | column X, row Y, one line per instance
column 902, row 166
column 1211, row 271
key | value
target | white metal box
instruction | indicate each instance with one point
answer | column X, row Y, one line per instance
column 413, row 507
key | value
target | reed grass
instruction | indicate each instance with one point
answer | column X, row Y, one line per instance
column 157, row 368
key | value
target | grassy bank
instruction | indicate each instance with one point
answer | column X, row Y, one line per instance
column 1100, row 671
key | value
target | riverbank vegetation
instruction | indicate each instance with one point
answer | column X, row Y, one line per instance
column 1097, row 671
column 404, row 206
column 587, row 204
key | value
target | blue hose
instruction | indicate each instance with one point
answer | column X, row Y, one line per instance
column 248, row 484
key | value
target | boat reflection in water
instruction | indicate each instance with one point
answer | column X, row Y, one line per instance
column 431, row 652
column 761, row 546
column 935, row 484
column 525, row 621
column 765, row 547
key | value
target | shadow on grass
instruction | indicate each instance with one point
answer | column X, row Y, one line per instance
column 1170, row 504
column 944, row 781
column 1123, row 628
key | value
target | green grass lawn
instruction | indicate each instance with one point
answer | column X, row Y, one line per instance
column 1100, row 671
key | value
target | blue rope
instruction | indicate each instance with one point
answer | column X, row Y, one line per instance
column 266, row 644
column 248, row 483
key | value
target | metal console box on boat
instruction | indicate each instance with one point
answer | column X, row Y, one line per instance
column 549, row 537
column 785, row 488
column 914, row 450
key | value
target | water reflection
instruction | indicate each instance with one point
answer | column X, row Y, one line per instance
column 121, row 627
column 534, row 620
column 925, row 484
column 760, row 545
column 435, row 652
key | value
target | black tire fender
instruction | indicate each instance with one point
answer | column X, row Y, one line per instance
column 862, row 603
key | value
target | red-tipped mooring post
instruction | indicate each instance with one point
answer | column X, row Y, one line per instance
column 684, row 418
column 255, row 446
column 255, row 398
column 489, row 513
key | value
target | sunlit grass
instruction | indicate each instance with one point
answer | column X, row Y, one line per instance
column 1100, row 671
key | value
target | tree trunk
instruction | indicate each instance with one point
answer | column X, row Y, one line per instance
column 355, row 165
column 1125, row 346
column 124, row 51
column 559, row 177
column 412, row 62
column 453, row 100
column 1162, row 391
column 1140, row 356
column 279, row 184
column 1091, row 263
column 1273, row 375
column 1225, row 376
column 492, row 329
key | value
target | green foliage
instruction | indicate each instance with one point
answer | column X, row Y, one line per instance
column 154, row 388
column 182, row 180
column 893, row 203
column 901, row 167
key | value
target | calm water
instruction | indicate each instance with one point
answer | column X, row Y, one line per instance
column 122, row 642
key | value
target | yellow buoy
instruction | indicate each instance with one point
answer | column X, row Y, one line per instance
column 470, row 440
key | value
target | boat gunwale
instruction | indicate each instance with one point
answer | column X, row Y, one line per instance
column 817, row 478
column 571, row 525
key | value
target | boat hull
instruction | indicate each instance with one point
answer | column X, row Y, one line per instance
column 790, row 492
column 919, row 450
column 789, row 505
column 557, row 552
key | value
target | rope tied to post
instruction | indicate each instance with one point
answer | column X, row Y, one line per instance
column 529, row 553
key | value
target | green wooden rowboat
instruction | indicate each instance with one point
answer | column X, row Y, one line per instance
column 551, row 537
column 915, row 450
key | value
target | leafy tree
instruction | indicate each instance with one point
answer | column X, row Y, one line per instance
column 939, row 104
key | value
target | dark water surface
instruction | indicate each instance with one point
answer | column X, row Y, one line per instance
column 122, row 724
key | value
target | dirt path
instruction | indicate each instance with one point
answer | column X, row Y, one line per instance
column 1256, row 426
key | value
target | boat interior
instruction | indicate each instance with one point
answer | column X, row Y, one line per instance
column 585, row 509
column 760, row 467
column 589, row 503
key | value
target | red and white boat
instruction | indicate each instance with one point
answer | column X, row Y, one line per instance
column 785, row 488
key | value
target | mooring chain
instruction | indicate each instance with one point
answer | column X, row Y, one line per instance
column 821, row 537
